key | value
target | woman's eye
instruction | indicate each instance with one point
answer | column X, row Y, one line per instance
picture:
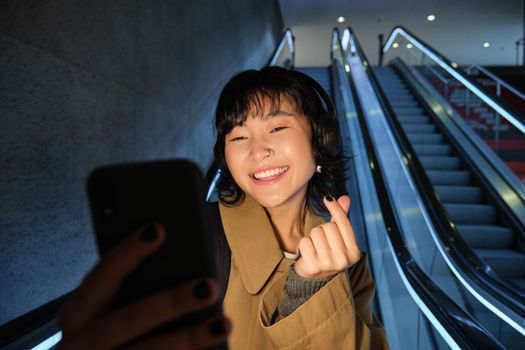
column 238, row 138
column 279, row 128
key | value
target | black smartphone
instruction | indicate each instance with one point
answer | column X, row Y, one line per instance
column 125, row 197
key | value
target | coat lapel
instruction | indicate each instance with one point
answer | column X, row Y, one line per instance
column 253, row 243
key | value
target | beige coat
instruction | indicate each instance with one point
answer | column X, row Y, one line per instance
column 338, row 316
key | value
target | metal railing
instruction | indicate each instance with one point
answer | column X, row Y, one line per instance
column 497, row 80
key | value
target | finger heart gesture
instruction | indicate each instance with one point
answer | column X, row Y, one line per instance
column 331, row 247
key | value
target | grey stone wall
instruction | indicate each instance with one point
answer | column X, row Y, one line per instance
column 83, row 83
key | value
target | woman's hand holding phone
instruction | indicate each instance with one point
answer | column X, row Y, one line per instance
column 88, row 322
column 331, row 247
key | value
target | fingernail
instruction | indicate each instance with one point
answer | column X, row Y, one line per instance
column 217, row 327
column 149, row 234
column 329, row 198
column 202, row 290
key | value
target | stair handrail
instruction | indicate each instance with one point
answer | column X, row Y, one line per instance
column 451, row 245
column 497, row 79
column 454, row 70
column 458, row 328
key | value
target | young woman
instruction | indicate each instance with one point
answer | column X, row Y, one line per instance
column 291, row 280
column 295, row 281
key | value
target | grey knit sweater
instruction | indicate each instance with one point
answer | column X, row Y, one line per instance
column 298, row 290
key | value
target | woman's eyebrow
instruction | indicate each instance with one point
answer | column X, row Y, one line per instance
column 277, row 113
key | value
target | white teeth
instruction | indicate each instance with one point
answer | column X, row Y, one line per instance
column 270, row 173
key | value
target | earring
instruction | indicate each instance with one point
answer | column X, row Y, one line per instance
column 318, row 169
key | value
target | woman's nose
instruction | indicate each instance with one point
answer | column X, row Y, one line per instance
column 261, row 150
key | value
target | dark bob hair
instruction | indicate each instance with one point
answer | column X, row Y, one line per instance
column 247, row 92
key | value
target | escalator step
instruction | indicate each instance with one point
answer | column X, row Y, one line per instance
column 440, row 163
column 425, row 138
column 393, row 85
column 398, row 95
column 404, row 102
column 507, row 263
column 432, row 150
column 486, row 236
column 394, row 96
column 459, row 194
column 419, row 119
column 449, row 177
column 419, row 128
column 471, row 213
column 408, row 111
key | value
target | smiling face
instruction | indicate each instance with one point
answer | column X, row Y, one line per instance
column 270, row 155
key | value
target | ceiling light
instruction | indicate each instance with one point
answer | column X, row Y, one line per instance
column 395, row 45
column 431, row 18
column 486, row 44
column 409, row 46
column 340, row 19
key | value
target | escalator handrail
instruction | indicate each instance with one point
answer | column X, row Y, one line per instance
column 287, row 39
column 458, row 328
column 451, row 243
column 455, row 71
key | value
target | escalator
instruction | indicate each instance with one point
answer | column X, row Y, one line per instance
column 402, row 290
column 463, row 188
column 468, row 204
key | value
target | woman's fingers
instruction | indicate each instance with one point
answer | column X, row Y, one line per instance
column 344, row 203
column 340, row 217
column 89, row 299
column 333, row 237
column 132, row 321
column 202, row 336
column 320, row 244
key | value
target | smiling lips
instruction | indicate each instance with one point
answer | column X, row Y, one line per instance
column 269, row 176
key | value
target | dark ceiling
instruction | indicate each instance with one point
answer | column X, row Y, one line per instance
column 459, row 31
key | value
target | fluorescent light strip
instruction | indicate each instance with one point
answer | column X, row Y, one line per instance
column 487, row 99
column 49, row 342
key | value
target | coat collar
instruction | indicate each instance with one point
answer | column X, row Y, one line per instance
column 253, row 243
